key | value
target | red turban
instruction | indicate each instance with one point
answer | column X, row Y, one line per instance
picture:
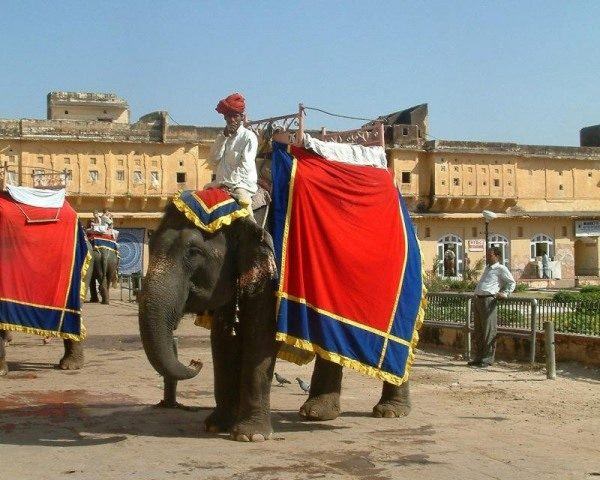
column 231, row 105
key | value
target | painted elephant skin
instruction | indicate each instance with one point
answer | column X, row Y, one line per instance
column 104, row 272
column 191, row 271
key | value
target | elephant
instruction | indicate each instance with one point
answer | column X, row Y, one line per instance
column 191, row 271
column 73, row 357
column 71, row 360
column 104, row 273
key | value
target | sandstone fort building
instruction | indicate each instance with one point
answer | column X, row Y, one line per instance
column 547, row 198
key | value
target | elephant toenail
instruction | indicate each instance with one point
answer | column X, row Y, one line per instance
column 242, row 438
column 257, row 437
column 389, row 414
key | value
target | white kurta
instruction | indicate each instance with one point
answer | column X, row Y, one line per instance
column 233, row 159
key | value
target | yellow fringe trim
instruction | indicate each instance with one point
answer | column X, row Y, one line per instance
column 45, row 333
column 214, row 225
column 293, row 354
column 84, row 269
column 420, row 318
column 355, row 364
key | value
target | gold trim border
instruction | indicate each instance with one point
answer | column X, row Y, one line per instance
column 215, row 225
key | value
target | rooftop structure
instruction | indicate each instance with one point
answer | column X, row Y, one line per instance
column 105, row 107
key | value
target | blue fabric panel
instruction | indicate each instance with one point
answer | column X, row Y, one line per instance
column 298, row 320
column 131, row 250
column 412, row 285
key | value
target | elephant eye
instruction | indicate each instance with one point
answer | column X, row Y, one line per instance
column 194, row 251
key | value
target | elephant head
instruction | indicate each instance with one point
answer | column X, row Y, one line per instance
column 191, row 271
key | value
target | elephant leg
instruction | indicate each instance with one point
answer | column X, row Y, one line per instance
column 325, row 386
column 73, row 357
column 8, row 336
column 394, row 401
column 93, row 291
column 257, row 327
column 3, row 365
column 226, row 353
column 104, row 290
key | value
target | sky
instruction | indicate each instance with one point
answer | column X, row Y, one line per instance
column 511, row 71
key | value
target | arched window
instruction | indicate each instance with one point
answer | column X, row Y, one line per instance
column 501, row 242
column 541, row 244
column 450, row 253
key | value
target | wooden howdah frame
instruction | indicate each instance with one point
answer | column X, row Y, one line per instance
column 289, row 129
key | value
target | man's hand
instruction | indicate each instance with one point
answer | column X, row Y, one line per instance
column 501, row 295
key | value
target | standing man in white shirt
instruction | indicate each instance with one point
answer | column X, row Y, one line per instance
column 233, row 155
column 495, row 282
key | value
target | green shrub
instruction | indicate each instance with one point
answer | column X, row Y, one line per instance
column 521, row 287
column 565, row 297
column 590, row 289
column 576, row 322
column 461, row 285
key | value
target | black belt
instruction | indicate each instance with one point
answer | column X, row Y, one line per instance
column 485, row 296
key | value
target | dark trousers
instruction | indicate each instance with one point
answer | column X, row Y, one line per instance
column 486, row 328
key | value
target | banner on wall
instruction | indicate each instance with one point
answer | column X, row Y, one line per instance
column 131, row 250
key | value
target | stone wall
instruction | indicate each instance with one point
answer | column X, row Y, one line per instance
column 578, row 348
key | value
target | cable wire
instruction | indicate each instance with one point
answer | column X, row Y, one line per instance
column 338, row 115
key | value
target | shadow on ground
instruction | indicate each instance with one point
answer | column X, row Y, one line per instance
column 74, row 418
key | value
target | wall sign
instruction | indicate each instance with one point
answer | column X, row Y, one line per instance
column 587, row 228
column 476, row 245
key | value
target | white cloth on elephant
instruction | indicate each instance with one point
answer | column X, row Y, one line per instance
column 233, row 159
column 37, row 197
column 346, row 152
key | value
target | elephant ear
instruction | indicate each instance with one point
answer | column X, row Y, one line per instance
column 255, row 257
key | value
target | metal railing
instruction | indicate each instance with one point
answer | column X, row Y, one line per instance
column 570, row 316
column 517, row 316
column 573, row 316
column 130, row 283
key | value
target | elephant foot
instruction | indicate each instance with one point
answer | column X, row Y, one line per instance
column 218, row 422
column 254, row 429
column 105, row 302
column 3, row 368
column 71, row 362
column 94, row 300
column 391, row 410
column 321, row 407
column 394, row 402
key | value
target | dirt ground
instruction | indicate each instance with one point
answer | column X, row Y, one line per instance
column 506, row 422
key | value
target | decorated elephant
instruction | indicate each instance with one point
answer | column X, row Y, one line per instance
column 105, row 267
column 72, row 358
column 192, row 270
column 51, row 308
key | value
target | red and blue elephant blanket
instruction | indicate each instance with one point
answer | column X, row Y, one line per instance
column 350, row 284
column 42, row 267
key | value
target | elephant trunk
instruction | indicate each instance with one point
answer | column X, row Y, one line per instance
column 158, row 317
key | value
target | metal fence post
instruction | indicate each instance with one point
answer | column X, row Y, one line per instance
column 468, row 331
column 534, row 305
column 550, row 351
